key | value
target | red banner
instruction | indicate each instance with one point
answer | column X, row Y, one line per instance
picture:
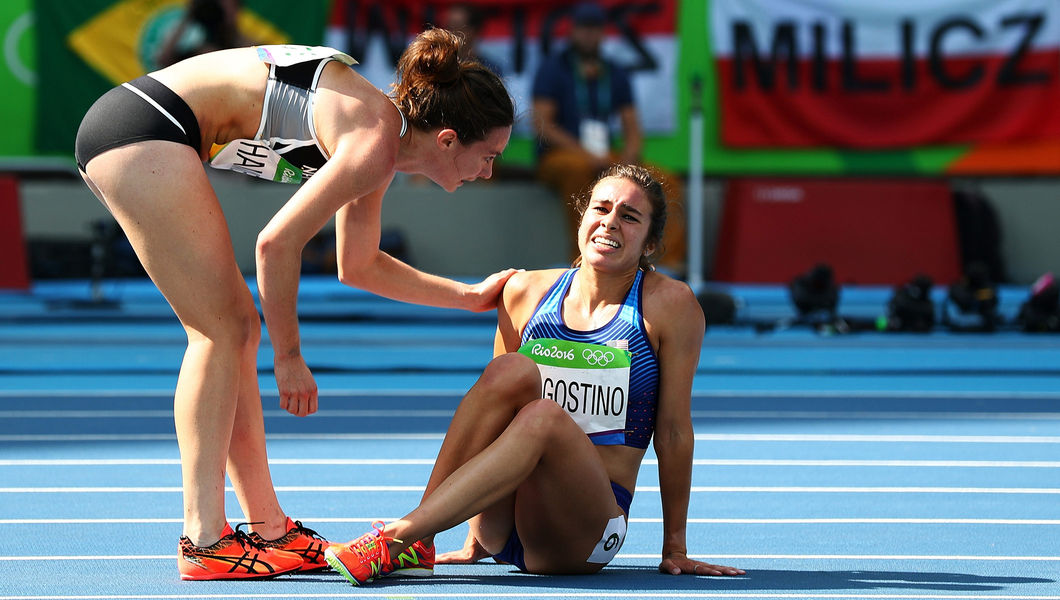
column 905, row 73
column 871, row 232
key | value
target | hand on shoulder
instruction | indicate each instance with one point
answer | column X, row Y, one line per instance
column 521, row 294
column 526, row 286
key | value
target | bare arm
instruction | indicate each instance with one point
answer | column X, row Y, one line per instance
column 363, row 265
column 555, row 136
column 548, row 129
column 279, row 252
column 680, row 336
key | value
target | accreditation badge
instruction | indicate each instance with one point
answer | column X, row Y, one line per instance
column 590, row 382
column 595, row 137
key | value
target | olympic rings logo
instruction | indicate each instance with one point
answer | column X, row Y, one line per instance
column 598, row 358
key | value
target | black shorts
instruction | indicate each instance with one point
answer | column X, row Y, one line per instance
column 123, row 116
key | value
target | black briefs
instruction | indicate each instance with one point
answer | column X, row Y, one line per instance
column 123, row 116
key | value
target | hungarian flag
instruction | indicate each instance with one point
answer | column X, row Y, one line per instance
column 84, row 48
column 895, row 74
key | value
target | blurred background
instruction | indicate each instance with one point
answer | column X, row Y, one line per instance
column 883, row 142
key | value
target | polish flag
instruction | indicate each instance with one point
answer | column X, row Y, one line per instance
column 895, row 74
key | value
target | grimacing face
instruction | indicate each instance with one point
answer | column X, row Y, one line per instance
column 614, row 229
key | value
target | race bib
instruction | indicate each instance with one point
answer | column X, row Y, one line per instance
column 610, row 543
column 285, row 55
column 590, row 382
column 257, row 159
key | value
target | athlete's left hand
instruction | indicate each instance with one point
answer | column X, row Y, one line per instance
column 678, row 564
column 298, row 389
column 483, row 295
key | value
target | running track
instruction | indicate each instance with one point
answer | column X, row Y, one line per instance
column 859, row 466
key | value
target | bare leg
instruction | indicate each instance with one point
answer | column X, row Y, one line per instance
column 508, row 383
column 559, row 481
column 161, row 197
column 248, row 465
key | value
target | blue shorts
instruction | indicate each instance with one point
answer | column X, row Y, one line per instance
column 513, row 552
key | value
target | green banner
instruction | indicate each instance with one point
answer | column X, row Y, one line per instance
column 18, row 74
column 84, row 48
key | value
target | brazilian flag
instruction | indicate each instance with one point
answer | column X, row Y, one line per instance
column 86, row 47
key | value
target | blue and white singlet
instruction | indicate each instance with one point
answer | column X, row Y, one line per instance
column 627, row 324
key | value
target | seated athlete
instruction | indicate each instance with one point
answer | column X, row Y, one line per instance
column 547, row 482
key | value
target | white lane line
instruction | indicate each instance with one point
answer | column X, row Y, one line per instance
column 874, row 438
column 169, row 437
column 447, row 413
column 740, row 462
column 708, row 437
column 93, row 557
column 154, row 462
column 458, row 392
column 699, row 462
column 610, row 594
column 541, row 594
column 640, row 489
column 168, row 414
column 177, row 489
column 266, row 393
column 875, row 415
column 369, row 520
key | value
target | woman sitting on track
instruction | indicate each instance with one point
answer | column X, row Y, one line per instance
column 540, row 493
column 294, row 114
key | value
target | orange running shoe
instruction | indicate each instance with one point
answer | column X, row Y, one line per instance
column 301, row 541
column 416, row 561
column 363, row 559
column 235, row 556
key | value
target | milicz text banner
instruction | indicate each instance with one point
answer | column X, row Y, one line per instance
column 516, row 34
column 894, row 74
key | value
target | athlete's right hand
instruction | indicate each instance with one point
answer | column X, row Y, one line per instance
column 484, row 295
column 471, row 552
column 298, row 389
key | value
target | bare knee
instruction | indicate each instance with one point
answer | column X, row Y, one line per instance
column 237, row 330
column 511, row 377
column 541, row 419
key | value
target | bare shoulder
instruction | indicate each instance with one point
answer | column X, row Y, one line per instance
column 670, row 306
column 524, row 290
column 667, row 292
column 217, row 72
column 529, row 286
column 353, row 116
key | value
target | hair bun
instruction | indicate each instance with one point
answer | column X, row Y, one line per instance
column 437, row 56
column 436, row 88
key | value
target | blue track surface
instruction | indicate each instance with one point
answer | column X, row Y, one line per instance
column 849, row 466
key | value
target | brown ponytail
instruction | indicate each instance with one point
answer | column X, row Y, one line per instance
column 438, row 89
